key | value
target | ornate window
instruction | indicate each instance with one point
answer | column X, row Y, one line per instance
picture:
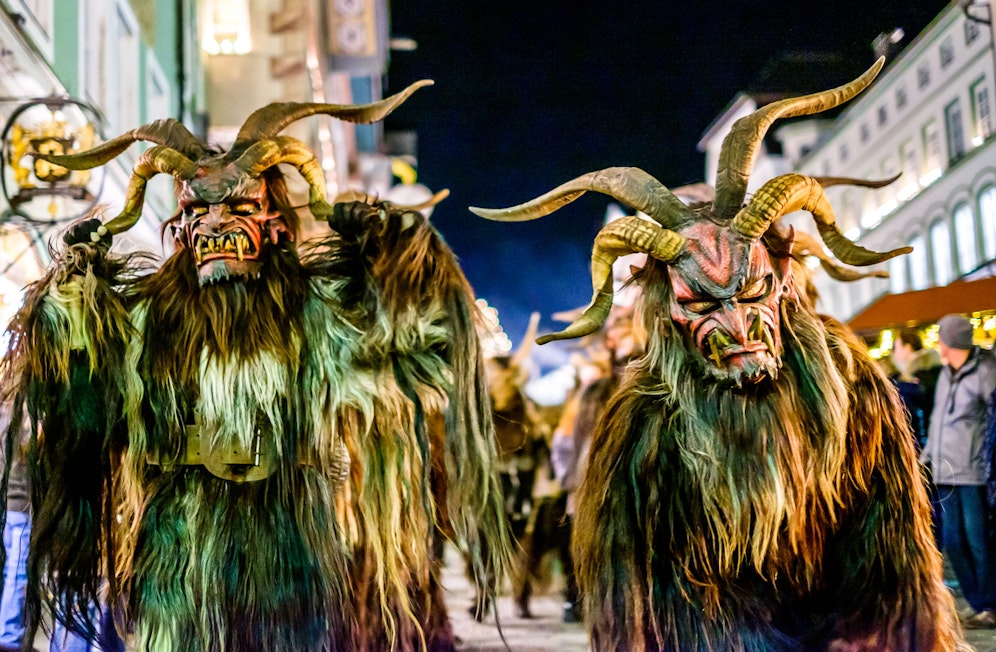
column 964, row 230
column 919, row 273
column 987, row 221
column 940, row 244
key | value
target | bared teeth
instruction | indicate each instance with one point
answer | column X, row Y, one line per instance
column 236, row 243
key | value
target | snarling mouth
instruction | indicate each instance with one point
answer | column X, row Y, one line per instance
column 234, row 245
column 722, row 347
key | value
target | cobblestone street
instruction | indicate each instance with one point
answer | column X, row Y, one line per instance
column 545, row 632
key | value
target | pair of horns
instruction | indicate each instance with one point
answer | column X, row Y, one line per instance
column 257, row 148
column 636, row 188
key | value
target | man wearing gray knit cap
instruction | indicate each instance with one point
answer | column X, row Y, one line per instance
column 954, row 453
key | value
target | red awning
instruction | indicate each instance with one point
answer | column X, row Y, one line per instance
column 926, row 306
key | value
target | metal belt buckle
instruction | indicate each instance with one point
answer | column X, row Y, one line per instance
column 240, row 464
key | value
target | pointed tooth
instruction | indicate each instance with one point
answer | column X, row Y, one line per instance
column 768, row 340
column 238, row 246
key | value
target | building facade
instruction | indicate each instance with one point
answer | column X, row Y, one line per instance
column 126, row 62
column 263, row 51
column 927, row 118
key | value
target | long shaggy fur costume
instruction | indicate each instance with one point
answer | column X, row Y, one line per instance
column 342, row 359
column 790, row 515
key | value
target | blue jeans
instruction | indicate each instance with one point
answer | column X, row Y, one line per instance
column 968, row 542
column 16, row 533
column 107, row 638
column 64, row 640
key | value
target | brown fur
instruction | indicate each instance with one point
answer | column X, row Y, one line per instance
column 791, row 515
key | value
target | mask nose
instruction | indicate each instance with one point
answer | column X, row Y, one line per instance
column 736, row 321
column 216, row 216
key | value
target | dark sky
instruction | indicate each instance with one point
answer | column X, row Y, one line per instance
column 530, row 94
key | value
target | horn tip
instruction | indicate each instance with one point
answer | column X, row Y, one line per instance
column 494, row 214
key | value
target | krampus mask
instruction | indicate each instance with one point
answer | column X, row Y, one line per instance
column 727, row 289
column 229, row 217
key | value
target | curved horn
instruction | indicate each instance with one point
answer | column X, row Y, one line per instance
column 826, row 182
column 526, row 347
column 274, row 118
column 740, row 147
column 428, row 203
column 631, row 186
column 168, row 132
column 356, row 195
column 265, row 154
column 155, row 160
column 620, row 237
column 806, row 245
column 792, row 192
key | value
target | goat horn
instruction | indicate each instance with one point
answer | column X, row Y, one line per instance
column 826, row 182
column 526, row 347
column 169, row 133
column 631, row 186
column 792, row 192
column 740, row 147
column 155, row 160
column 266, row 153
column 620, row 237
column 431, row 201
column 806, row 245
column 270, row 120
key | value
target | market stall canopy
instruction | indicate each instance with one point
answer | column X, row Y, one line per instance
column 926, row 306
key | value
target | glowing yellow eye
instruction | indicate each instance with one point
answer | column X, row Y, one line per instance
column 196, row 210
column 244, row 209
column 755, row 290
column 700, row 306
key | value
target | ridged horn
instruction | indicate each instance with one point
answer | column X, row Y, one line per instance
column 274, row 118
column 806, row 245
column 266, row 153
column 792, row 192
column 620, row 237
column 631, row 186
column 169, row 132
column 740, row 147
column 153, row 161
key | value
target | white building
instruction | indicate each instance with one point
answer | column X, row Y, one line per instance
column 131, row 61
column 928, row 117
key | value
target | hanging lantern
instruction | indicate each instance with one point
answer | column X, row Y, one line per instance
column 39, row 191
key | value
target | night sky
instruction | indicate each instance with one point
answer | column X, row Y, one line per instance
column 530, row 94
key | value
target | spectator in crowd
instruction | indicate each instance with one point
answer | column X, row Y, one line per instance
column 16, row 536
column 16, row 533
column 954, row 451
column 917, row 371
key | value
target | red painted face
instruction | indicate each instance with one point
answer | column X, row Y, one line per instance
column 726, row 298
column 228, row 227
